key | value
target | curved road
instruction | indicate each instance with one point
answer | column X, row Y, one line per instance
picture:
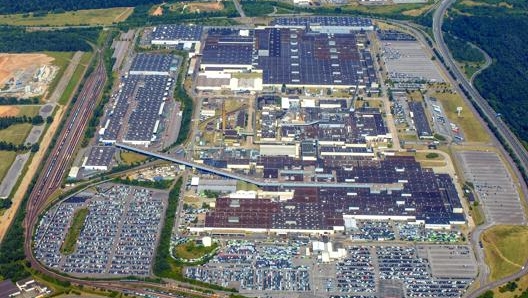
column 504, row 131
column 483, row 67
column 509, row 137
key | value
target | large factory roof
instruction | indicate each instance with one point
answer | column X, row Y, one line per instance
column 395, row 193
column 337, row 21
column 298, row 57
column 156, row 63
column 177, row 33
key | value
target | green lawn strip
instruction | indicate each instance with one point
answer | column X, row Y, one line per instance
column 70, row 88
column 68, row 247
column 7, row 158
column 62, row 59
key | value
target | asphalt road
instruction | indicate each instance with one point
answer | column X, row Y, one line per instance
column 503, row 129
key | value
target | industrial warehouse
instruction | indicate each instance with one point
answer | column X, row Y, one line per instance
column 140, row 107
column 306, row 52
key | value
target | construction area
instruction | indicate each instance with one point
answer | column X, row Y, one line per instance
column 25, row 75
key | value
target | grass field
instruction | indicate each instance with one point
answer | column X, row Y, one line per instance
column 74, row 80
column 80, row 17
column 522, row 284
column 15, row 134
column 62, row 59
column 28, row 110
column 7, row 158
column 477, row 215
column 68, row 247
column 131, row 157
column 85, row 59
column 190, row 250
column 505, row 248
column 471, row 127
column 243, row 185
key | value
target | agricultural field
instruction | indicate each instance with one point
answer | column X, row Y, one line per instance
column 505, row 248
column 107, row 16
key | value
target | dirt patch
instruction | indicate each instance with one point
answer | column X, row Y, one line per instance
column 203, row 7
column 7, row 111
column 157, row 12
column 11, row 63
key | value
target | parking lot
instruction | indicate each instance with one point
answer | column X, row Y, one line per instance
column 254, row 268
column 441, row 123
column 450, row 261
column 404, row 264
column 407, row 61
column 493, row 186
column 119, row 235
column 279, row 268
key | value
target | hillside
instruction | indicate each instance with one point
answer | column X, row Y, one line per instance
column 499, row 28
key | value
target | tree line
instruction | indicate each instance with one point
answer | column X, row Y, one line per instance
column 5, row 122
column 141, row 16
column 8, row 146
column 8, row 100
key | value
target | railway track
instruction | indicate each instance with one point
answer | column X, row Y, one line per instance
column 57, row 162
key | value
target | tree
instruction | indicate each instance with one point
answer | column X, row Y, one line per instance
column 49, row 119
column 35, row 147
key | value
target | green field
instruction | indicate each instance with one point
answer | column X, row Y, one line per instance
column 15, row 134
column 7, row 158
column 468, row 122
column 74, row 80
column 80, row 17
column 62, row 59
column 130, row 158
column 85, row 59
column 190, row 250
column 29, row 111
column 505, row 248
column 68, row 247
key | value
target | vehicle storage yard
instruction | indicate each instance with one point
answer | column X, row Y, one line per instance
column 408, row 61
column 118, row 238
column 494, row 186
column 326, row 206
column 295, row 268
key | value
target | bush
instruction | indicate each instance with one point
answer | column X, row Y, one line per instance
column 432, row 155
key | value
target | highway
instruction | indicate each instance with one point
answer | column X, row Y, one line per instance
column 509, row 137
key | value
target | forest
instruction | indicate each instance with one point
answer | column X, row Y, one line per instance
column 501, row 32
column 20, row 6
column 18, row 40
column 141, row 16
